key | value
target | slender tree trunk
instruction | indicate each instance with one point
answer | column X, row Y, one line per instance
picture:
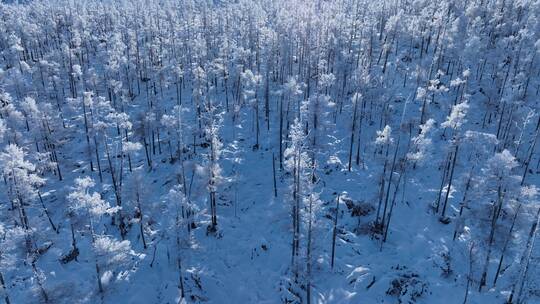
column 450, row 181
column 462, row 206
column 381, row 189
column 308, row 251
column 148, row 159
column 274, row 174
column 469, row 276
column 390, row 184
column 529, row 157
column 141, row 224
column 87, row 136
column 47, row 213
column 4, row 289
column 353, row 128
column 75, row 250
column 443, row 179
column 496, row 210
column 390, row 212
column 117, row 192
column 334, row 233
column 97, row 158
column 524, row 261
column 506, row 242
column 179, row 264
column 98, row 269
column 281, row 133
column 98, row 273
column 360, row 133
column 39, row 281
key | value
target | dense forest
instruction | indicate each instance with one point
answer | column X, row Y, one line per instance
column 269, row 151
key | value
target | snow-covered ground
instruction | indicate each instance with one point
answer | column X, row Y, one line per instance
column 434, row 94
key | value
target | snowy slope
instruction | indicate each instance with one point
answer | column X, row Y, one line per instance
column 474, row 98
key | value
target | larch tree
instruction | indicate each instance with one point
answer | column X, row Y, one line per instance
column 108, row 253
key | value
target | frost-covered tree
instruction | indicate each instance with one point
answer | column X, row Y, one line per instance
column 297, row 163
column 212, row 160
column 312, row 202
column 3, row 130
column 383, row 141
column 250, row 91
column 498, row 169
column 174, row 124
column 454, row 121
column 22, row 180
column 421, row 144
column 115, row 260
column 183, row 212
column 456, row 118
column 10, row 255
column 291, row 91
column 90, row 207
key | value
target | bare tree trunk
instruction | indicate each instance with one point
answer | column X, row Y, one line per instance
column 496, row 211
column 334, row 233
column 47, row 213
column 257, row 127
column 443, row 179
column 360, row 133
column 38, row 281
column 281, row 133
column 392, row 167
column 274, row 174
column 529, row 157
column 462, row 206
column 98, row 273
column 469, row 276
column 308, row 251
column 179, row 264
column 87, row 136
column 506, row 242
column 525, row 259
column 381, row 189
column 148, row 159
column 3, row 287
column 141, row 224
column 267, row 100
column 450, row 181
column 117, row 192
column 74, row 249
column 97, row 158
column 353, row 128
column 98, row 270
column 390, row 212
